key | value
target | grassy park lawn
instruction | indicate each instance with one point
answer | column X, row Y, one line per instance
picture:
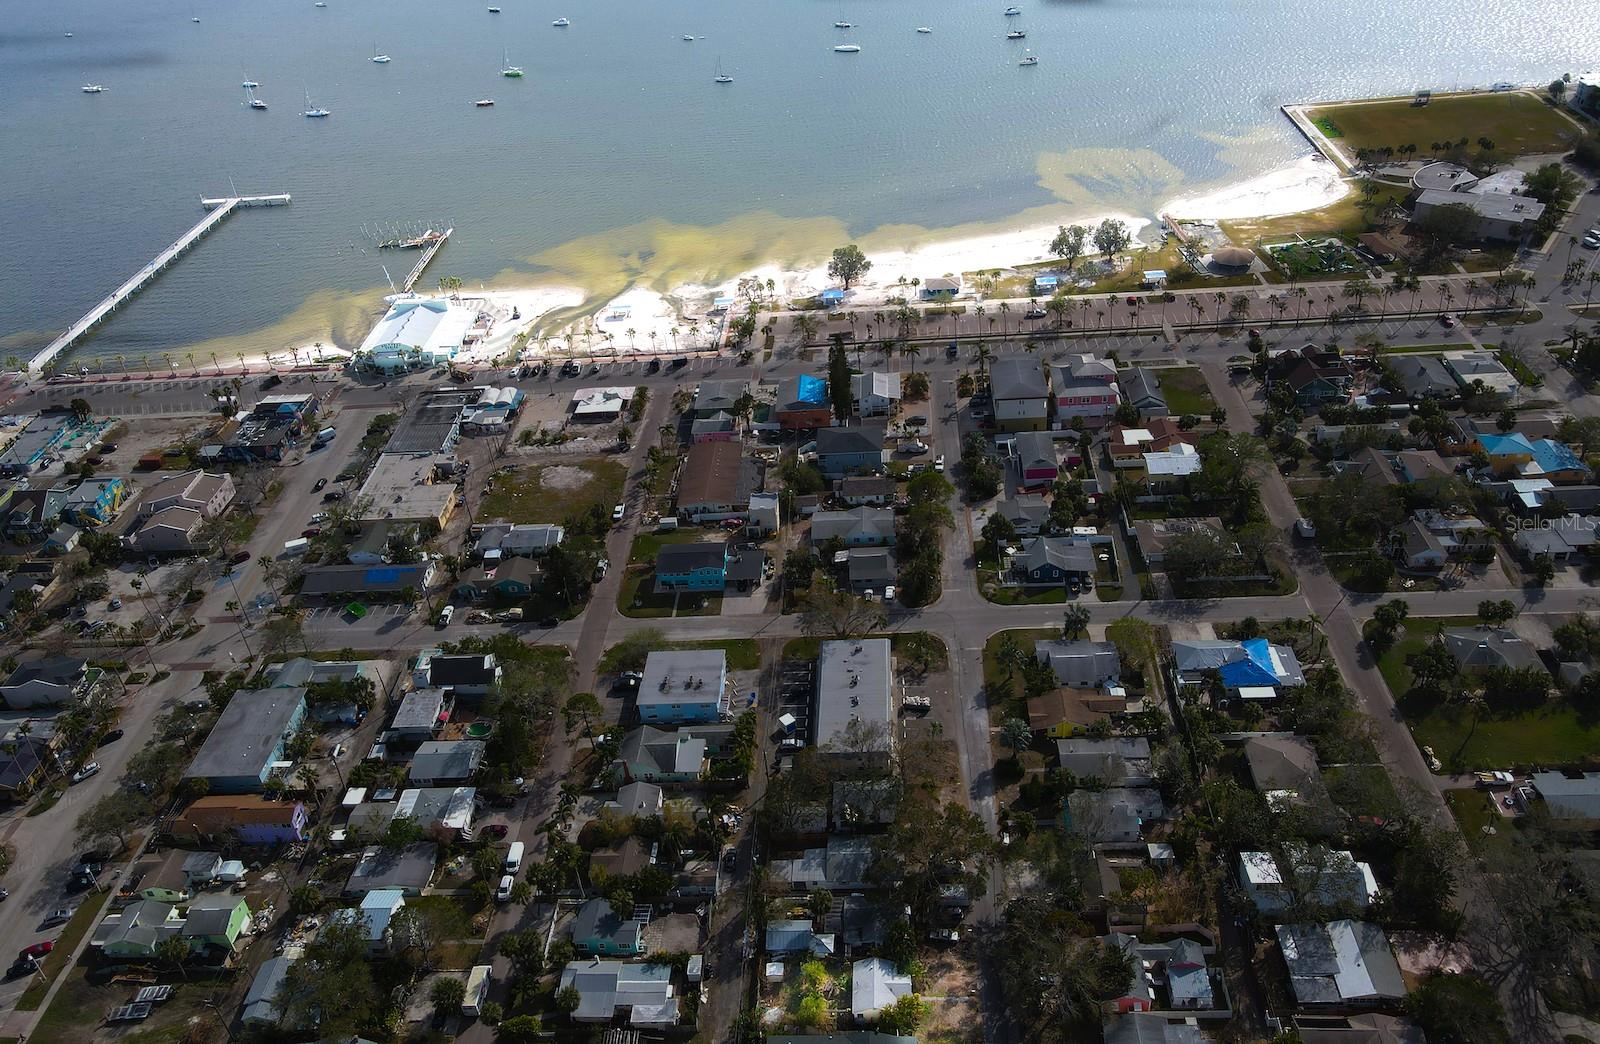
column 1344, row 218
column 1518, row 123
column 554, row 492
column 1186, row 391
column 743, row 653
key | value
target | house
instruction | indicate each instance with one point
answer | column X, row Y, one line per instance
column 598, row 930
column 854, row 720
column 410, row 869
column 1371, row 464
column 716, row 482
column 1358, row 1028
column 31, row 513
column 1028, row 513
column 1052, row 562
column 1084, row 386
column 700, row 565
column 465, row 674
column 1478, row 649
column 1020, row 393
column 1149, row 1029
column 1167, row 471
column 719, row 427
column 1500, row 217
column 608, row 989
column 1316, row 378
column 377, row 543
column 1470, row 367
column 201, row 868
column 1035, row 453
column 383, row 582
column 170, row 531
column 842, row 865
column 95, row 501
column 856, row 450
column 216, row 921
column 1519, row 456
column 1340, row 964
column 506, row 579
column 1460, row 534
column 648, row 755
column 1142, row 389
column 48, row 682
column 1419, row 548
column 63, row 539
column 247, row 818
column 261, row 1000
column 1122, row 761
column 621, row 858
column 1315, row 876
column 1127, row 445
column 869, row 568
column 1570, row 795
column 856, row 1037
column 24, row 762
column 137, row 930
column 858, row 527
column 1068, row 711
column 1421, row 465
column 445, row 761
column 682, row 686
column 247, row 743
column 1424, row 377
column 798, row 937
column 600, row 405
column 1281, row 764
column 1113, row 816
column 1560, row 539
column 876, row 393
column 1083, row 664
column 419, row 715
column 803, row 403
column 875, row 984
column 377, row 909
column 196, row 490
column 940, row 287
column 443, row 813
column 637, row 799
column 763, row 516
column 714, row 397
column 1139, row 996
column 1154, row 536
column 859, row 490
column 1246, row 665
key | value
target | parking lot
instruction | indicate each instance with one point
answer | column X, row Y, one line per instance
column 796, row 687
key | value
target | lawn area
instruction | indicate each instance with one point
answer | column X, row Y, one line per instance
column 1553, row 734
column 1000, row 692
column 1410, row 349
column 1344, row 218
column 743, row 653
column 58, row 957
column 1473, row 814
column 637, row 598
column 83, row 1003
column 1186, row 391
column 1518, row 123
column 989, row 584
column 646, row 545
column 1412, row 636
column 554, row 492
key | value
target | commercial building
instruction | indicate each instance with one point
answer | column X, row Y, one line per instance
column 600, row 405
column 48, row 682
column 683, row 686
column 43, row 433
column 248, row 740
column 716, row 482
column 207, row 494
column 415, row 335
column 250, row 819
column 386, row 582
column 854, row 721
column 406, row 487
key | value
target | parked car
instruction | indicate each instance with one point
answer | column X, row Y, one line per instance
column 240, row 557
column 319, row 485
column 1489, row 780
column 311, row 531
column 114, row 604
column 938, row 462
column 111, row 736
column 22, row 966
column 617, row 512
column 93, row 855
column 84, row 773
column 61, row 916
column 653, row 366
column 549, row 622
column 913, row 449
column 447, row 614
column 37, row 950
column 332, row 495
column 1034, row 313
column 918, row 421
column 495, row 832
column 503, row 893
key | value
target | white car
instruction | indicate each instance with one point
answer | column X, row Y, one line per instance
column 938, row 462
column 1592, row 240
column 503, row 893
column 1495, row 779
column 616, row 513
column 84, row 773
column 447, row 614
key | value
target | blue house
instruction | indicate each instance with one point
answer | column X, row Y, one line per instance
column 700, row 566
column 95, row 501
column 682, row 686
column 598, row 930
column 248, row 739
column 850, row 451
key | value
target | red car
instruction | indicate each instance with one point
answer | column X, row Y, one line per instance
column 311, row 532
column 240, row 557
column 495, row 831
column 37, row 950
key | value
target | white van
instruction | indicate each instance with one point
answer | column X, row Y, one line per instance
column 514, row 857
column 294, row 547
column 477, row 990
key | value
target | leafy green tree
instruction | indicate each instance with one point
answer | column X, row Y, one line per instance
column 331, row 985
column 1458, row 1009
column 568, row 998
column 998, row 531
column 839, row 390
column 904, row 1016
column 848, row 264
column 1069, row 242
column 928, row 846
column 114, row 815
column 1074, row 621
column 1496, row 612
column 446, row 995
column 580, row 712
column 1111, row 237
column 1016, row 736
column 174, row 952
column 1055, row 978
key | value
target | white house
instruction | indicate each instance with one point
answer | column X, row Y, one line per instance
column 875, row 392
column 874, row 985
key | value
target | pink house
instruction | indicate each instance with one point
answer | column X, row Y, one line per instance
column 1086, row 387
column 1036, row 458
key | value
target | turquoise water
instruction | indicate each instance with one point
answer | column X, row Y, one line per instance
column 616, row 157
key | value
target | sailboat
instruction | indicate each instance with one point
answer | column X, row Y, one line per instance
column 93, row 88
column 255, row 103
column 842, row 23
column 562, row 22
column 1031, row 59
column 512, row 71
column 1016, row 34
column 924, row 29
column 722, row 77
column 378, row 58
column 687, row 38
column 484, row 103
column 312, row 111
column 848, row 48
column 249, row 85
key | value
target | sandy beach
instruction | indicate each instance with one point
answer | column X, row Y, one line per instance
column 1307, row 184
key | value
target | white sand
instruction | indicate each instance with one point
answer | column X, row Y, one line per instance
column 1307, row 184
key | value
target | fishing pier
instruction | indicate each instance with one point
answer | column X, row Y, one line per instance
column 217, row 211
column 427, row 258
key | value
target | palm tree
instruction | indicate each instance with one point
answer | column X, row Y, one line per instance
column 983, row 355
column 166, row 357
column 215, row 363
column 122, row 362
column 631, row 332
column 1005, row 309
column 674, row 333
column 807, row 327
column 910, row 351
column 1057, row 307
column 978, row 312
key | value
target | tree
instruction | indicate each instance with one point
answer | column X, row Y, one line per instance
column 1458, row 1009
column 580, row 712
column 1111, row 237
column 331, row 985
column 1543, row 568
column 1446, row 227
column 528, row 1029
column 174, row 951
column 446, row 996
column 81, row 409
column 1496, row 612
column 1054, row 977
column 902, row 1018
column 998, row 531
column 848, row 264
column 929, row 846
column 1069, row 243
column 1016, row 736
column 113, row 815
column 838, row 614
column 1074, row 621
column 567, row 999
column 839, row 391
column 819, row 903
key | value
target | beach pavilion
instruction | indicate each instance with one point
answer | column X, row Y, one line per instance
column 415, row 335
column 1230, row 260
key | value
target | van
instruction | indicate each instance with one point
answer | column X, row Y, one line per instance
column 325, row 436
column 294, row 547
column 514, row 857
column 477, row 990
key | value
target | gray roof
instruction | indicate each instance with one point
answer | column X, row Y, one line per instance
column 1035, row 449
column 861, row 438
column 210, row 915
column 410, row 869
column 719, row 395
column 1038, row 552
column 141, row 923
column 1079, row 659
column 1424, row 375
column 249, row 733
column 1112, row 760
column 669, row 752
column 849, row 1037
column 871, row 565
column 1143, row 1028
column 683, row 676
column 1570, row 796
column 1281, row 762
column 597, row 920
column 1017, row 379
column 464, row 669
column 260, row 1002
column 1029, row 507
column 56, row 670
column 419, row 709
column 1340, row 962
column 606, row 986
column 877, row 522
column 697, row 554
column 1493, row 205
column 1483, row 647
column 853, row 682
column 446, row 759
column 364, row 579
column 1110, row 814
column 1140, row 385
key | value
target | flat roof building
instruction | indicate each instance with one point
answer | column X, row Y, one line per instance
column 855, row 705
column 248, row 739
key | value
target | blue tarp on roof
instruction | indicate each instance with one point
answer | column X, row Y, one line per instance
column 1254, row 669
column 1515, row 444
column 813, row 389
column 1551, row 455
column 385, row 574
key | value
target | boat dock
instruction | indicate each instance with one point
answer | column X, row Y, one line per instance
column 425, row 260
column 217, row 211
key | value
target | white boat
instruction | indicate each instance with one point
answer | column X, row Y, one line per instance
column 196, row 20
column 561, row 23
column 923, row 29
column 319, row 3
column 378, row 57
column 721, row 76
column 255, row 103
column 1032, row 59
column 842, row 24
column 249, row 85
column 93, row 88
column 687, row 38
column 494, row 10
column 1013, row 11
column 484, row 103
column 69, row 36
column 312, row 111
column 847, row 48
column 513, row 72
column 1016, row 34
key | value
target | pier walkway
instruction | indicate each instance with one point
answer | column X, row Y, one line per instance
column 217, row 212
column 425, row 260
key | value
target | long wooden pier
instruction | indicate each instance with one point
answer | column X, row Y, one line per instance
column 424, row 260
column 217, row 211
